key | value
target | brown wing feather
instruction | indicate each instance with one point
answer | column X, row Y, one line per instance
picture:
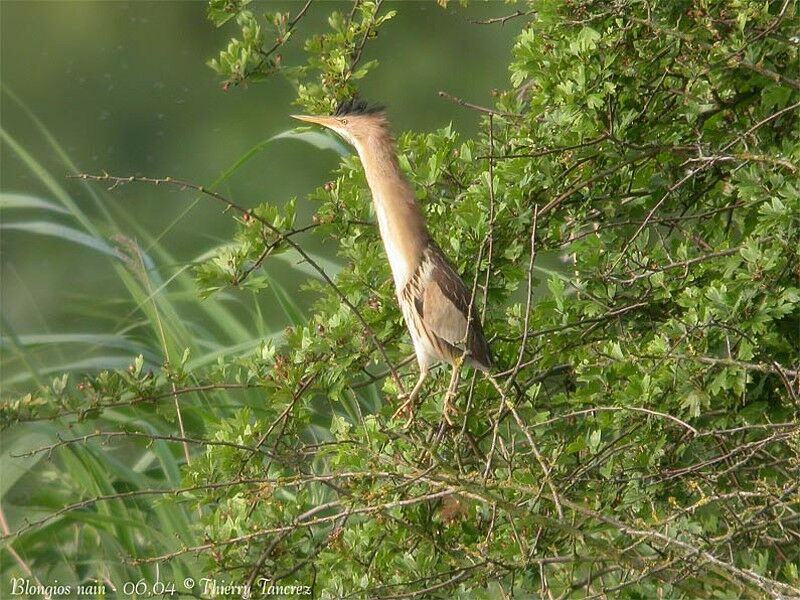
column 445, row 306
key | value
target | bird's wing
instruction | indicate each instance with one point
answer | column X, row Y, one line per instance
column 444, row 309
column 445, row 305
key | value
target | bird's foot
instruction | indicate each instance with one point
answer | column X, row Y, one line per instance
column 406, row 409
column 447, row 405
column 447, row 408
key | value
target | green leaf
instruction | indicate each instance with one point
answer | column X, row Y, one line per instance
column 25, row 201
column 323, row 141
column 62, row 232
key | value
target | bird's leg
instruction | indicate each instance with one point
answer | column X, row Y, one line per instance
column 451, row 389
column 408, row 405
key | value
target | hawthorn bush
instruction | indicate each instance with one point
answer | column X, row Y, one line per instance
column 629, row 220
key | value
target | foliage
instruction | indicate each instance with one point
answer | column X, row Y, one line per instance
column 639, row 436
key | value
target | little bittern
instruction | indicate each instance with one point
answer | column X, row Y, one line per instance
column 433, row 298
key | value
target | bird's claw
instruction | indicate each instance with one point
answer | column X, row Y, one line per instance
column 407, row 408
column 447, row 408
column 447, row 405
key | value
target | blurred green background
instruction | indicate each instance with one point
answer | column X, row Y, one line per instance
column 123, row 87
column 92, row 278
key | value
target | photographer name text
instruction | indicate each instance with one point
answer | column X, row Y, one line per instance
column 206, row 587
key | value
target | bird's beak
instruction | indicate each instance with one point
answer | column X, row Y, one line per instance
column 317, row 120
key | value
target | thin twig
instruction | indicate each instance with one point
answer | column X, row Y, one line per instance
column 483, row 109
column 230, row 204
column 505, row 19
column 356, row 56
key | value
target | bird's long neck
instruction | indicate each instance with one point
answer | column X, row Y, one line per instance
column 402, row 226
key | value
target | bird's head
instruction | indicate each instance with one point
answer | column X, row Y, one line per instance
column 354, row 120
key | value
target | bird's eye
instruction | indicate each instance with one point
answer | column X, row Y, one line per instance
column 343, row 121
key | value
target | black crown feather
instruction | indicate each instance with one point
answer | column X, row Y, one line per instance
column 356, row 106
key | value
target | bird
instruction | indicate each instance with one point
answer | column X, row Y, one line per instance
column 435, row 303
